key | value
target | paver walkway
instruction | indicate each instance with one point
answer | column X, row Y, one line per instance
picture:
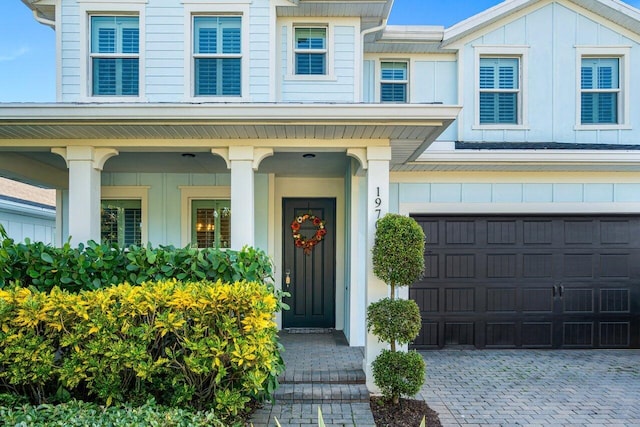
column 534, row 388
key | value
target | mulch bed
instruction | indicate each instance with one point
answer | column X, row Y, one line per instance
column 408, row 413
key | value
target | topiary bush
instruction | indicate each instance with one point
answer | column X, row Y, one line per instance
column 201, row 344
column 398, row 259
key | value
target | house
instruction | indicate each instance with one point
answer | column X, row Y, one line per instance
column 293, row 125
column 27, row 212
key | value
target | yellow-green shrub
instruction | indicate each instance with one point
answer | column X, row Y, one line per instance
column 205, row 344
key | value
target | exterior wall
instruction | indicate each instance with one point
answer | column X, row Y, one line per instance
column 165, row 47
column 549, row 36
column 341, row 83
column 164, row 202
column 22, row 221
column 538, row 192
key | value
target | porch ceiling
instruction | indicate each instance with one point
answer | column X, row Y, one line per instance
column 408, row 128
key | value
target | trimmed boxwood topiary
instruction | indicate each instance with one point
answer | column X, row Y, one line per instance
column 396, row 321
column 398, row 373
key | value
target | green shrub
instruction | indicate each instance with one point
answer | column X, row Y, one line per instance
column 81, row 414
column 93, row 266
column 398, row 373
column 396, row 321
column 398, row 251
column 203, row 344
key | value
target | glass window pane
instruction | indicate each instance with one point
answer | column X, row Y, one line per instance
column 311, row 63
column 211, row 223
column 114, row 34
column 393, row 71
column 121, row 222
column 311, row 38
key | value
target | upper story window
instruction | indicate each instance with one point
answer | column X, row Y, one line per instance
column 310, row 50
column 393, row 81
column 599, row 90
column 500, row 93
column 217, row 55
column 115, row 55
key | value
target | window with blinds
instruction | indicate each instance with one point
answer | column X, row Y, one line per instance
column 310, row 50
column 217, row 55
column 115, row 55
column 211, row 223
column 121, row 222
column 499, row 87
column 600, row 90
column 393, row 81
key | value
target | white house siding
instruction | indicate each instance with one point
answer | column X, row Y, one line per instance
column 435, row 81
column 70, row 54
column 22, row 221
column 164, row 209
column 550, row 35
column 164, row 51
column 524, row 193
column 259, row 54
column 339, row 89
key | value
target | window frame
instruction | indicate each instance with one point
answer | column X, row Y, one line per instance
column 194, row 8
column 310, row 50
column 131, row 193
column 217, row 219
column 381, row 81
column 289, row 27
column 508, row 52
column 98, row 8
column 190, row 193
column 622, row 54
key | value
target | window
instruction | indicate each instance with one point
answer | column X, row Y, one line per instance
column 211, row 223
column 310, row 50
column 600, row 90
column 115, row 55
column 217, row 55
column 393, row 82
column 121, row 222
column 499, row 90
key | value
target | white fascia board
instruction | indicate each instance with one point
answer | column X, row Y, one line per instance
column 27, row 209
column 530, row 157
column 394, row 33
column 416, row 114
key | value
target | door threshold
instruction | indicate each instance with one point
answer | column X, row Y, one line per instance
column 309, row 330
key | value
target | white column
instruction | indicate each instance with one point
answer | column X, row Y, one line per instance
column 377, row 205
column 242, row 197
column 85, row 164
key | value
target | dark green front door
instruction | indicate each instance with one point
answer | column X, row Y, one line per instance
column 311, row 269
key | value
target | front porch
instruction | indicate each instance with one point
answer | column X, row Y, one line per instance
column 322, row 370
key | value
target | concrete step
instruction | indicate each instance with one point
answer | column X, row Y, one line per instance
column 321, row 393
column 332, row 376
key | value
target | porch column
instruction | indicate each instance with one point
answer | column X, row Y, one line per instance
column 242, row 197
column 85, row 164
column 377, row 205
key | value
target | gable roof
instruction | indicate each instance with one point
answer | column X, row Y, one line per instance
column 614, row 10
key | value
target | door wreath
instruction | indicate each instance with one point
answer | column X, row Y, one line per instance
column 302, row 241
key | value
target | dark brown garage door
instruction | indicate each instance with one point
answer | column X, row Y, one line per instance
column 530, row 282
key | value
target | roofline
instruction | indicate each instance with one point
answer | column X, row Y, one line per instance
column 223, row 113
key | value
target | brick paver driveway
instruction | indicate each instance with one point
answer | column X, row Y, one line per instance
column 534, row 388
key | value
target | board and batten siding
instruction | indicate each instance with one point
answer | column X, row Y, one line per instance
column 340, row 89
column 28, row 222
column 550, row 35
column 164, row 201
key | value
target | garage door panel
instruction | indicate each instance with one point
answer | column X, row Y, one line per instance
column 530, row 282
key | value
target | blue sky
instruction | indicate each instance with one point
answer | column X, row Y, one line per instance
column 27, row 48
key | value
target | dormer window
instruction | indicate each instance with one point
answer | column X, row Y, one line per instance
column 115, row 55
column 310, row 50
column 217, row 55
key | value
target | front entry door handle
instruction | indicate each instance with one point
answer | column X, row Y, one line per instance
column 287, row 278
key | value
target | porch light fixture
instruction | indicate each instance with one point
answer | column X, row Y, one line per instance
column 309, row 155
column 188, row 155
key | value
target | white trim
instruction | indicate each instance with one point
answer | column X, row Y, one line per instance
column 291, row 24
column 519, row 208
column 623, row 54
column 202, row 192
column 130, row 192
column 500, row 51
column 87, row 9
column 59, row 68
column 193, row 8
column 531, row 156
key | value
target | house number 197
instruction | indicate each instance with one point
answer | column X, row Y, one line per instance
column 378, row 203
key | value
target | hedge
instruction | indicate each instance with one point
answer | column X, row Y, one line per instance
column 93, row 266
column 203, row 344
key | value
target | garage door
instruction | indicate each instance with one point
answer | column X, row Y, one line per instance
column 530, row 282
